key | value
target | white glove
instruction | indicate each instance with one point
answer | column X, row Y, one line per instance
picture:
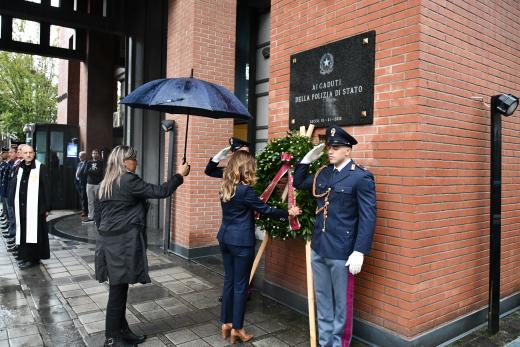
column 313, row 154
column 355, row 262
column 221, row 155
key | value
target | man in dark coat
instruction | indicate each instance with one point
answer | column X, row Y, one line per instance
column 80, row 181
column 31, row 209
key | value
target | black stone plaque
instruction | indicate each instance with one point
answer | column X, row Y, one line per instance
column 334, row 83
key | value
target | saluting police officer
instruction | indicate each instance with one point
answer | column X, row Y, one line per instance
column 235, row 144
column 343, row 231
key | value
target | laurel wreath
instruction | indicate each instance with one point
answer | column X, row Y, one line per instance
column 268, row 164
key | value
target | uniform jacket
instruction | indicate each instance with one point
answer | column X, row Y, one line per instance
column 351, row 217
column 5, row 173
column 213, row 170
column 121, row 221
column 238, row 221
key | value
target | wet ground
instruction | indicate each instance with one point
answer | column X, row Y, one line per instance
column 60, row 304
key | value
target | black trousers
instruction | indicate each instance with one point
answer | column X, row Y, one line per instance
column 82, row 192
column 116, row 308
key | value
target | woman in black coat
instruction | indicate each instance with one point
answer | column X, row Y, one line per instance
column 121, row 242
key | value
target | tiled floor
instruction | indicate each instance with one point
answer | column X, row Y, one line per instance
column 60, row 304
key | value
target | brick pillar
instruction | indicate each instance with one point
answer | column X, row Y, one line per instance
column 201, row 35
column 97, row 93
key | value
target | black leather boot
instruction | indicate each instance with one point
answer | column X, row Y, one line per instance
column 117, row 342
column 129, row 336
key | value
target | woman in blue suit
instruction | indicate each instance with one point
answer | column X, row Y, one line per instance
column 236, row 238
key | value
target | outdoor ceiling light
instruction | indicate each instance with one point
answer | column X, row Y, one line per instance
column 29, row 128
column 506, row 104
column 167, row 125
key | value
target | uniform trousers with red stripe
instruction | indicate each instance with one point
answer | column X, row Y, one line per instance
column 334, row 290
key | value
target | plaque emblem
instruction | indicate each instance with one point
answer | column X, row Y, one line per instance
column 332, row 132
column 326, row 64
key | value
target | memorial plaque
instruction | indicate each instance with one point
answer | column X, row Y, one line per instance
column 334, row 83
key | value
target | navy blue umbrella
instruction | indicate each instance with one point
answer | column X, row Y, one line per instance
column 189, row 96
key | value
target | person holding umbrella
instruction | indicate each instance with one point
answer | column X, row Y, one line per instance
column 121, row 243
column 235, row 144
column 236, row 238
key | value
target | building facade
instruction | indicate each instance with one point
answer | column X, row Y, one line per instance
column 426, row 279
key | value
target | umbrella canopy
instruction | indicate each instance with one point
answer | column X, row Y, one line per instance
column 187, row 96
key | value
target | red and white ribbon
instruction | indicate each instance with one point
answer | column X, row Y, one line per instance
column 285, row 168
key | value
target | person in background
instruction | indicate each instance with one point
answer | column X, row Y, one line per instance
column 5, row 176
column 80, row 182
column 94, row 171
column 120, row 245
column 31, row 206
column 236, row 238
column 11, row 191
column 4, row 169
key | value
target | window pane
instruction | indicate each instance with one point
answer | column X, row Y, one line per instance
column 26, row 31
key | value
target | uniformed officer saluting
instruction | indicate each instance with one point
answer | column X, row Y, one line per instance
column 235, row 144
column 343, row 231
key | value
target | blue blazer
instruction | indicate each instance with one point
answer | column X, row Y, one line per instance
column 351, row 217
column 238, row 221
column 212, row 170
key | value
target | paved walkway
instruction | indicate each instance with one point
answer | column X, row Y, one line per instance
column 60, row 304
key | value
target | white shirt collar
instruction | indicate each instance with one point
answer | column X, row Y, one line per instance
column 345, row 163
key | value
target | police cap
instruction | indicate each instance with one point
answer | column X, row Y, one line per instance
column 237, row 143
column 339, row 137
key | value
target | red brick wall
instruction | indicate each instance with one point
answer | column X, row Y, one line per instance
column 201, row 35
column 428, row 148
column 467, row 49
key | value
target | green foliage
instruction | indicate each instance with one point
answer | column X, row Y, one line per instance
column 269, row 163
column 27, row 92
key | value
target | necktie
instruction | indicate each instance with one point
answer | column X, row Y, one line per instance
column 334, row 173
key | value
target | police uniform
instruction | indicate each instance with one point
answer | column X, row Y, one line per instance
column 345, row 222
column 4, row 168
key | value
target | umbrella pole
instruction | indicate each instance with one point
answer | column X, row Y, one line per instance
column 186, row 138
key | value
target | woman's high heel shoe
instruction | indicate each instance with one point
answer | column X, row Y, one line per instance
column 239, row 335
column 226, row 330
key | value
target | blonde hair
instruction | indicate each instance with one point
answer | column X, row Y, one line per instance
column 240, row 168
column 115, row 169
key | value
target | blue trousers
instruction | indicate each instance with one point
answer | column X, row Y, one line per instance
column 330, row 285
column 238, row 261
column 11, row 219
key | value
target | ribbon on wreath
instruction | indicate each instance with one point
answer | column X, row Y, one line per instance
column 285, row 168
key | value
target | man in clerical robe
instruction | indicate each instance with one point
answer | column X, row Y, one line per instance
column 32, row 206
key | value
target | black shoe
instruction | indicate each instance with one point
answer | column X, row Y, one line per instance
column 117, row 342
column 27, row 265
column 129, row 336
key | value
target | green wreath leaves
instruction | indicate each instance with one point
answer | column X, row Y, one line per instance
column 268, row 164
